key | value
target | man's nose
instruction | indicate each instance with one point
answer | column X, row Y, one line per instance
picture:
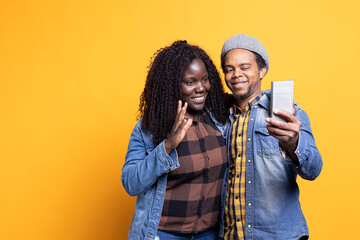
column 237, row 72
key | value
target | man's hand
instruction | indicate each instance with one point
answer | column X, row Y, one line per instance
column 179, row 128
column 286, row 132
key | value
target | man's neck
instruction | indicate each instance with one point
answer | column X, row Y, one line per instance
column 242, row 103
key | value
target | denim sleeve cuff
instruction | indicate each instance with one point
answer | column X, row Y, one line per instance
column 301, row 150
column 171, row 162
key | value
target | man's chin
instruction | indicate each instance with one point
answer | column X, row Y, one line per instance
column 241, row 96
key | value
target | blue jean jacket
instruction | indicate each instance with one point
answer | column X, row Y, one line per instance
column 273, row 209
column 144, row 175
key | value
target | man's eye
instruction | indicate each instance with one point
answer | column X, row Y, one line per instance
column 228, row 70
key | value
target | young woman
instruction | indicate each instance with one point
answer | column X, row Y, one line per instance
column 176, row 158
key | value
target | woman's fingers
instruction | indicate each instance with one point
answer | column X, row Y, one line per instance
column 184, row 126
column 179, row 129
column 184, row 109
column 178, row 116
column 178, row 107
column 187, row 125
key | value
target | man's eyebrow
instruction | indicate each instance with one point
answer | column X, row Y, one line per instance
column 242, row 64
column 245, row 64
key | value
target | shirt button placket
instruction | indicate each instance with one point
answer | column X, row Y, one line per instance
column 249, row 186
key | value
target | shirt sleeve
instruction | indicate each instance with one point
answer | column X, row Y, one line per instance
column 142, row 168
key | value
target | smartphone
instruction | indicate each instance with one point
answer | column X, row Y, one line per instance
column 282, row 93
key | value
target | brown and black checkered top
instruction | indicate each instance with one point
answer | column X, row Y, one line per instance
column 193, row 191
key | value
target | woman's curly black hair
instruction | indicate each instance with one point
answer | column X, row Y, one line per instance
column 159, row 100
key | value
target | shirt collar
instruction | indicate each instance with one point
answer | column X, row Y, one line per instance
column 236, row 110
column 198, row 116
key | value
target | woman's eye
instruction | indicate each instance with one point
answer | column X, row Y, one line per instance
column 189, row 83
column 205, row 79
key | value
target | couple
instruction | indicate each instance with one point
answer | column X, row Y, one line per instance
column 206, row 165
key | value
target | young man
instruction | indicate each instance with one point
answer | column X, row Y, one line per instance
column 266, row 155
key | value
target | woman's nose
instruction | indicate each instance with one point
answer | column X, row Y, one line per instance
column 200, row 87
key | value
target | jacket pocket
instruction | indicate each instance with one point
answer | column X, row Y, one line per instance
column 267, row 146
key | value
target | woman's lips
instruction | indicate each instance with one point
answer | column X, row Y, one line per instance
column 198, row 99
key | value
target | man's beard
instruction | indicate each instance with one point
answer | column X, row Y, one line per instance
column 243, row 96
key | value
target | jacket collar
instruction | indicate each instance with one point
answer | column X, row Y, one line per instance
column 265, row 100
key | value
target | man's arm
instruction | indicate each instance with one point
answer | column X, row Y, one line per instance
column 296, row 139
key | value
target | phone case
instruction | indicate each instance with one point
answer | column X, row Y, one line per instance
column 281, row 97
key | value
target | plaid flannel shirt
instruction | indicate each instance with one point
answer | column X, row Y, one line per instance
column 235, row 199
column 193, row 191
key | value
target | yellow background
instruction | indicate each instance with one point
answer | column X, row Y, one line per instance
column 71, row 73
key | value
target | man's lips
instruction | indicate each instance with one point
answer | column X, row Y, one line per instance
column 239, row 84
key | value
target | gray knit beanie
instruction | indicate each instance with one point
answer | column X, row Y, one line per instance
column 245, row 42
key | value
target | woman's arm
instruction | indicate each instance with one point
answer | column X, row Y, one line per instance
column 142, row 168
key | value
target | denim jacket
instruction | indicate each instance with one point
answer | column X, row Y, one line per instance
column 273, row 209
column 144, row 175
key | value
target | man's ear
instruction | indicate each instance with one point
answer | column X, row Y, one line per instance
column 262, row 72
